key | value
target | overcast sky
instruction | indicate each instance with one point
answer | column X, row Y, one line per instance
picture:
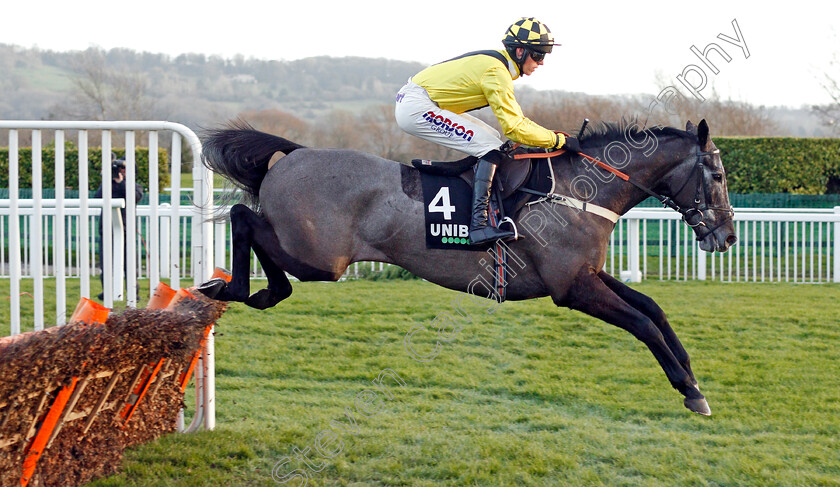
column 609, row 47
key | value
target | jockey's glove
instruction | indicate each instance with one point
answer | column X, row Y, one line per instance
column 572, row 145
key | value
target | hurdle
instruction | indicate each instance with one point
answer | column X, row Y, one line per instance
column 81, row 386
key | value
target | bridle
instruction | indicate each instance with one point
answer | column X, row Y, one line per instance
column 692, row 216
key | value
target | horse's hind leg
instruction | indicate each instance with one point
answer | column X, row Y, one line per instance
column 649, row 308
column 249, row 230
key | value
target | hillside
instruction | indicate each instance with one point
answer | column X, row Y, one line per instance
column 197, row 90
column 194, row 88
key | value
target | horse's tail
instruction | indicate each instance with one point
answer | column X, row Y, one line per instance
column 241, row 154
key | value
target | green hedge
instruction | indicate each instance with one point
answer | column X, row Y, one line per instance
column 808, row 166
column 760, row 200
column 71, row 167
column 781, row 164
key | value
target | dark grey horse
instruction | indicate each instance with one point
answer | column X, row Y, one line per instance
column 319, row 210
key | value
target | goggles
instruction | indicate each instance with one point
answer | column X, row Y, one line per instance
column 538, row 57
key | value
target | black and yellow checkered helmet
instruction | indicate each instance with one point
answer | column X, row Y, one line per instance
column 531, row 34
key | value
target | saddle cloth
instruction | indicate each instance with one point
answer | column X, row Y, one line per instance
column 447, row 196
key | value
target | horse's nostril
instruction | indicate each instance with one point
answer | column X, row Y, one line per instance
column 731, row 240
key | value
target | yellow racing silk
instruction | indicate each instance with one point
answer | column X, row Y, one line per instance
column 478, row 80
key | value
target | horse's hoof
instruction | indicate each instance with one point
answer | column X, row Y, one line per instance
column 262, row 299
column 699, row 406
column 212, row 288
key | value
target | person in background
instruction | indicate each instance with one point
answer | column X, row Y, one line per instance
column 118, row 190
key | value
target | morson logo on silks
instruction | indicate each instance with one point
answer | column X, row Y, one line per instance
column 446, row 126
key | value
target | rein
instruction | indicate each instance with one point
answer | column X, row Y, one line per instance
column 693, row 216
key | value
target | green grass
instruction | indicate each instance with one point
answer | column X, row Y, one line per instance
column 186, row 180
column 528, row 395
column 46, row 78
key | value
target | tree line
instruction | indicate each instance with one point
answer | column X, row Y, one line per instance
column 325, row 102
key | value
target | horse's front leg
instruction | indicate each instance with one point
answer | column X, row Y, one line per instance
column 649, row 308
column 590, row 295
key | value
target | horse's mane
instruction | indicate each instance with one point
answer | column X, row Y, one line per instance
column 606, row 132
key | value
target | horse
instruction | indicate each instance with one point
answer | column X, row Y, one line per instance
column 317, row 210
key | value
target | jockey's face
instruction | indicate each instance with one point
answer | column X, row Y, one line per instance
column 529, row 66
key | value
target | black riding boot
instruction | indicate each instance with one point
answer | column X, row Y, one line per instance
column 480, row 230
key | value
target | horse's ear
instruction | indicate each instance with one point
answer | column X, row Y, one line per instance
column 690, row 128
column 703, row 133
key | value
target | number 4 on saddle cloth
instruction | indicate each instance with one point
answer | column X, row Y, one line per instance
column 447, row 196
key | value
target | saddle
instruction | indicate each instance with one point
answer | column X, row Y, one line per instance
column 511, row 175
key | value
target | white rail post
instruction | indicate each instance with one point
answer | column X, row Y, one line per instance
column 701, row 263
column 84, row 220
column 36, row 259
column 164, row 227
column 130, row 246
column 175, row 220
column 220, row 242
column 633, row 249
column 203, row 254
column 59, row 267
column 154, row 223
column 117, row 254
column 837, row 245
column 107, row 241
column 202, row 214
column 14, row 231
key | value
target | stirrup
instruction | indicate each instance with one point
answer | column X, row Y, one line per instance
column 509, row 220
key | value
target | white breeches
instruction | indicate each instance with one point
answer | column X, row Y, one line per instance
column 418, row 115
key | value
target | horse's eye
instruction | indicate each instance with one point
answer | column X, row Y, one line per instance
column 717, row 177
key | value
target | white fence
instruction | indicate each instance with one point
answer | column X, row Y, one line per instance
column 81, row 260
column 54, row 238
column 774, row 244
column 182, row 267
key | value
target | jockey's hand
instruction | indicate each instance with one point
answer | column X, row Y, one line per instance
column 572, row 145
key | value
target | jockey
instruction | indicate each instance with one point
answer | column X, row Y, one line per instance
column 434, row 102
